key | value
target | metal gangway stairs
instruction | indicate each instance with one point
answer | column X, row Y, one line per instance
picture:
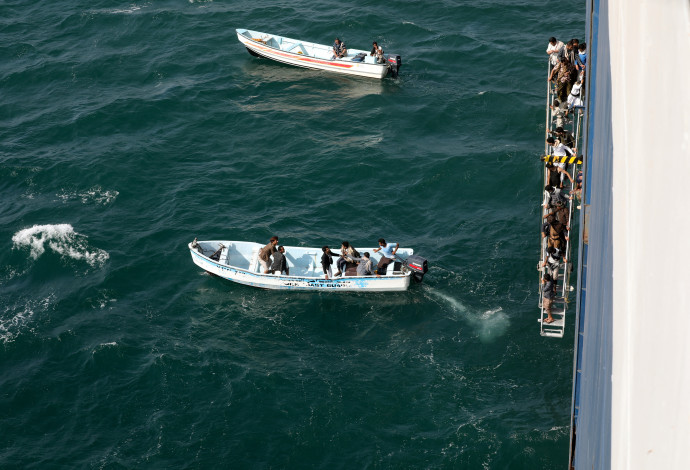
column 572, row 124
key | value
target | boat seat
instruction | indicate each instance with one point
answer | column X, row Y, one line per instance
column 298, row 45
column 224, row 255
column 351, row 269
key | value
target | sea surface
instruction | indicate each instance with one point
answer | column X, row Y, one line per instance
column 129, row 128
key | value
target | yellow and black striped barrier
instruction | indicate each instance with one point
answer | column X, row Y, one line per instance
column 562, row 159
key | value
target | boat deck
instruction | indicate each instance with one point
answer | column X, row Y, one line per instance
column 302, row 262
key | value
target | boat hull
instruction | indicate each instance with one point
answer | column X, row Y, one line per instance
column 343, row 66
column 388, row 283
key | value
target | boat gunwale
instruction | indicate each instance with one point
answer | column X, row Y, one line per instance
column 273, row 276
column 326, row 61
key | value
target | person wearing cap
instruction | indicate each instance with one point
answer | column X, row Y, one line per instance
column 339, row 49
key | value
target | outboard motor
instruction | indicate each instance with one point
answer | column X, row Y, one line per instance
column 418, row 266
column 394, row 63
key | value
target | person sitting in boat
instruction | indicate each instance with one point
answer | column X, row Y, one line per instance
column 265, row 254
column 347, row 255
column 339, row 49
column 365, row 266
column 388, row 251
column 377, row 52
column 327, row 261
column 280, row 262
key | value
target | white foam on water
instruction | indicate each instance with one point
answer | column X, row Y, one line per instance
column 61, row 239
column 96, row 195
column 488, row 325
column 17, row 318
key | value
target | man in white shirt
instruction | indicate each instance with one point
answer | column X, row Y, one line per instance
column 553, row 49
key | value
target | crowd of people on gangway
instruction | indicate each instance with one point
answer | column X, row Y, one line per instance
column 568, row 63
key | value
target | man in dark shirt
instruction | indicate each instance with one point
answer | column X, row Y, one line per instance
column 564, row 136
column 327, row 261
column 280, row 262
column 339, row 49
column 548, row 290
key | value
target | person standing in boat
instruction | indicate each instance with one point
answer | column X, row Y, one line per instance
column 339, row 49
column 280, row 262
column 265, row 254
column 347, row 255
column 388, row 251
column 377, row 52
column 327, row 261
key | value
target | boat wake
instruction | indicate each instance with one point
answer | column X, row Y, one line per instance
column 61, row 239
column 488, row 325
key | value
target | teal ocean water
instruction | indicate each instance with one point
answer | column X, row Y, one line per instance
column 129, row 128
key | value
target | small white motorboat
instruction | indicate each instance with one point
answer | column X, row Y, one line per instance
column 317, row 56
column 239, row 262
